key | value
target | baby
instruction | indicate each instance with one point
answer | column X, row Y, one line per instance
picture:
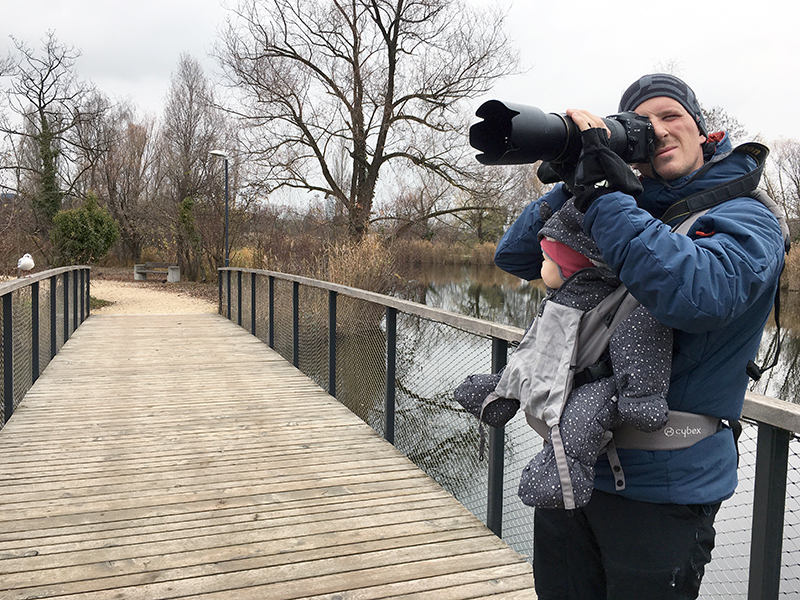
column 628, row 386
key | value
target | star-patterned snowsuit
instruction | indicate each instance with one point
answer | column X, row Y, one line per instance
column 639, row 353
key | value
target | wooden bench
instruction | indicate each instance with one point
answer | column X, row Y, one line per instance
column 173, row 272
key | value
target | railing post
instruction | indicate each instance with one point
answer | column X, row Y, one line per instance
column 494, row 501
column 88, row 292
column 53, row 316
column 75, row 300
column 296, row 323
column 253, row 303
column 219, row 279
column 239, row 298
column 271, row 317
column 35, row 330
column 8, row 358
column 769, row 503
column 332, row 343
column 82, row 290
column 66, row 306
column 228, row 279
column 391, row 372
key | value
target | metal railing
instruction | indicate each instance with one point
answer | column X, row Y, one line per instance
column 39, row 313
column 334, row 333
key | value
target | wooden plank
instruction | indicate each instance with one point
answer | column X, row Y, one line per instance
column 225, row 473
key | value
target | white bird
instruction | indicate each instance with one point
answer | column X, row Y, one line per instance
column 25, row 263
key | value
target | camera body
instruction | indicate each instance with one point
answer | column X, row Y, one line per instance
column 513, row 134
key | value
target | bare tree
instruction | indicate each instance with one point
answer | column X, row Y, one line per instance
column 192, row 181
column 782, row 178
column 370, row 77
column 126, row 179
column 499, row 199
column 422, row 200
column 718, row 119
column 52, row 135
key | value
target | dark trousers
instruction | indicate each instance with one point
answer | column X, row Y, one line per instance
column 619, row 549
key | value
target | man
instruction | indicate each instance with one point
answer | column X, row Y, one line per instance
column 715, row 286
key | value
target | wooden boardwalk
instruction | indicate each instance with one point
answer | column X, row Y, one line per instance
column 176, row 456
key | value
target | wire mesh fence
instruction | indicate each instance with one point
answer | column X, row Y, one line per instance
column 22, row 319
column 432, row 358
column 38, row 316
column 727, row 575
column 46, row 328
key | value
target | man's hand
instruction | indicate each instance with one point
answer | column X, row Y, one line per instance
column 550, row 172
column 598, row 170
column 586, row 120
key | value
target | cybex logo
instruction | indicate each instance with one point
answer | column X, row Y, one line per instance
column 682, row 432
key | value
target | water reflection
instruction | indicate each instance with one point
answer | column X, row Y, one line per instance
column 783, row 380
column 491, row 294
column 483, row 292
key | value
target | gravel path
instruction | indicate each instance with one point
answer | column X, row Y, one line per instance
column 132, row 298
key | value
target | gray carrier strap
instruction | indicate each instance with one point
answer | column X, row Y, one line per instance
column 539, row 426
column 598, row 325
column 562, row 465
column 616, row 466
column 681, row 431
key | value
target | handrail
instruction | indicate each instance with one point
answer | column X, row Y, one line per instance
column 771, row 411
column 470, row 324
column 23, row 359
column 13, row 285
column 763, row 409
column 777, row 420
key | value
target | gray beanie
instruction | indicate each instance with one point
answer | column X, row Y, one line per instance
column 662, row 84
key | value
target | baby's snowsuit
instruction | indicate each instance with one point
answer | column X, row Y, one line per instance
column 639, row 352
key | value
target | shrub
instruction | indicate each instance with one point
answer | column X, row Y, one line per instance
column 83, row 235
column 423, row 252
column 483, row 254
column 368, row 264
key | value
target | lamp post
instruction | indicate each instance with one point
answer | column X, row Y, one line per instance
column 224, row 156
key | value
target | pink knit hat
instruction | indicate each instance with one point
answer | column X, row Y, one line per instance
column 568, row 260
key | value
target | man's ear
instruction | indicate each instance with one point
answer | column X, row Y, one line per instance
column 700, row 132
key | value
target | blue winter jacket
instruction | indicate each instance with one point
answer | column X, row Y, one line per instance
column 715, row 286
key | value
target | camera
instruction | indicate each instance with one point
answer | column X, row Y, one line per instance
column 513, row 134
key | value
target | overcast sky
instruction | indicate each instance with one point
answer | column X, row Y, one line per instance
column 742, row 56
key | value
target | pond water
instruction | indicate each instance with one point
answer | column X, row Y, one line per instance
column 489, row 293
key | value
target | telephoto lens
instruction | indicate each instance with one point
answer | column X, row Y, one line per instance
column 514, row 134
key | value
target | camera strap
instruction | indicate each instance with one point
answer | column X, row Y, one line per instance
column 736, row 188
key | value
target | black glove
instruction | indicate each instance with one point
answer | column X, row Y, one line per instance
column 600, row 171
column 551, row 172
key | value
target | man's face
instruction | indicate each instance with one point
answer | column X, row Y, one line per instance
column 678, row 148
